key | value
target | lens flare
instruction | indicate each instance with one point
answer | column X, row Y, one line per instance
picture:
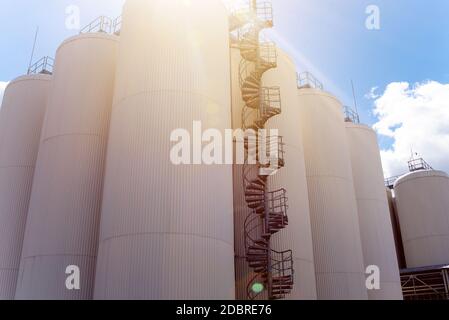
column 257, row 288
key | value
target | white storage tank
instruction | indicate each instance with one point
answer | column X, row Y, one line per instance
column 21, row 118
column 422, row 200
column 64, row 213
column 374, row 216
column 167, row 229
column 339, row 268
column 297, row 236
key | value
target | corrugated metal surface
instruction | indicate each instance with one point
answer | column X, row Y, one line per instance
column 62, row 227
column 297, row 236
column 422, row 200
column 333, row 209
column 21, row 119
column 166, row 230
column 374, row 218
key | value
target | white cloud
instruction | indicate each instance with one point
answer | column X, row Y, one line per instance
column 2, row 90
column 415, row 117
column 372, row 94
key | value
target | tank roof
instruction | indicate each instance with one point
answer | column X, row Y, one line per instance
column 317, row 92
column 421, row 174
column 95, row 35
column 27, row 77
column 361, row 126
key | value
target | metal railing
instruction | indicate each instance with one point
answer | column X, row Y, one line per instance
column 268, row 52
column 277, row 202
column 389, row 182
column 351, row 115
column 117, row 25
column 101, row 24
column 43, row 66
column 275, row 147
column 270, row 99
column 248, row 33
column 418, row 164
column 264, row 12
column 240, row 14
column 308, row 80
column 253, row 229
column 244, row 12
column 413, row 166
column 282, row 263
column 267, row 150
column 426, row 285
column 267, row 59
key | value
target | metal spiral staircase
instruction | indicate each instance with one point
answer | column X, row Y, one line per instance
column 273, row 269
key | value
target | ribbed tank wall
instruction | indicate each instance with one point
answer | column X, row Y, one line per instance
column 167, row 230
column 297, row 236
column 333, row 209
column 21, row 119
column 64, row 213
column 422, row 200
column 374, row 218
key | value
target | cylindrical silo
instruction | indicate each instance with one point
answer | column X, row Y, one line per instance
column 21, row 119
column 374, row 217
column 297, row 236
column 167, row 229
column 339, row 268
column 64, row 213
column 422, row 200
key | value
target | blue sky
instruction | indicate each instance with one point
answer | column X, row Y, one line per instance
column 412, row 44
column 327, row 37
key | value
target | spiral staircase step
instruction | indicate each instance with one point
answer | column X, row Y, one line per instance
column 258, row 58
